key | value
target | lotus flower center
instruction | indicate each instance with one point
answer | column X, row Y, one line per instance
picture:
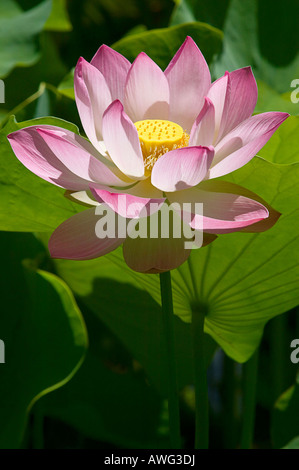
column 158, row 137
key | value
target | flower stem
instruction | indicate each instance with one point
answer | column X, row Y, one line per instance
column 173, row 397
column 249, row 397
column 200, row 380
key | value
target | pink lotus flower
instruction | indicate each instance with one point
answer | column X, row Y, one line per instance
column 154, row 136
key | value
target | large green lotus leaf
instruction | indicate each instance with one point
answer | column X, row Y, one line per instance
column 271, row 100
column 263, row 25
column 283, row 145
column 285, row 423
column 18, row 34
column 246, row 279
column 28, row 203
column 43, row 332
column 242, row 280
column 162, row 44
column 116, row 406
column 115, row 294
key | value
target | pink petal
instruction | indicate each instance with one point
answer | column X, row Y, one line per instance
column 114, row 68
column 217, row 95
column 92, row 98
column 182, row 168
column 189, row 79
column 146, row 91
column 76, row 238
column 231, row 188
column 240, row 100
column 241, row 144
column 203, row 129
column 122, row 141
column 127, row 205
column 223, row 212
column 154, row 255
column 79, row 156
column 33, row 152
column 234, row 96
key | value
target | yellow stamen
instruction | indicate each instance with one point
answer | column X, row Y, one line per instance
column 158, row 137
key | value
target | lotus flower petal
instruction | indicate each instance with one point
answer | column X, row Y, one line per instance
column 76, row 238
column 223, row 211
column 122, row 141
column 241, row 144
column 182, row 168
column 114, row 68
column 189, row 80
column 127, row 205
column 32, row 150
column 92, row 98
column 234, row 97
column 154, row 255
column 147, row 90
column 203, row 129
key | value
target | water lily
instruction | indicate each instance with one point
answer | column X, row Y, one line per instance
column 154, row 137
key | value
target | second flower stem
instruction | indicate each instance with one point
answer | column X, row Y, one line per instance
column 200, row 381
column 173, row 397
column 199, row 368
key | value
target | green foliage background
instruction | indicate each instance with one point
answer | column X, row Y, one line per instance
column 85, row 354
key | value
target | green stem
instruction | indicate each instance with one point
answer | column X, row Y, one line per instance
column 200, row 368
column 249, row 401
column 200, row 381
column 173, row 396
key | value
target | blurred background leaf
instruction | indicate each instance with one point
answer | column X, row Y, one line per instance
column 285, row 424
column 18, row 34
column 43, row 331
column 212, row 12
column 207, row 38
column 59, row 18
column 264, row 25
column 109, row 402
column 257, row 33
